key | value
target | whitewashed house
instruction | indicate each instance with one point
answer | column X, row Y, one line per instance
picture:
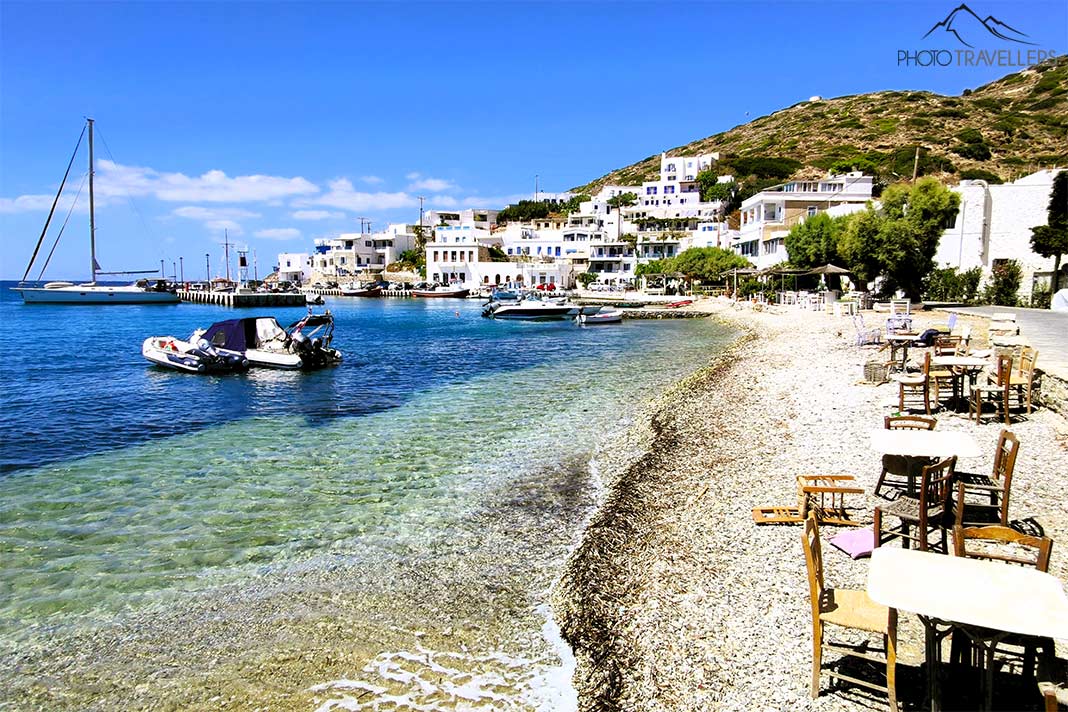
column 294, row 267
column 768, row 216
column 994, row 224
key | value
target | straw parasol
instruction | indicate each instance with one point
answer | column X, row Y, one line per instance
column 828, row 269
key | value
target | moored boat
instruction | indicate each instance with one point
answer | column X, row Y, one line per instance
column 91, row 292
column 352, row 290
column 441, row 291
column 530, row 310
column 189, row 357
column 305, row 344
column 604, row 315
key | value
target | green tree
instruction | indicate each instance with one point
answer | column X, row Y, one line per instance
column 1051, row 240
column 619, row 202
column 524, row 211
column 815, row 242
column 706, row 263
column 899, row 241
column 586, row 278
column 572, row 205
column 664, row 266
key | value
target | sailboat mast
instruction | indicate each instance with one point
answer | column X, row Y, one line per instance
column 92, row 211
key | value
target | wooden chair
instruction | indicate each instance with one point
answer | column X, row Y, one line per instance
column 846, row 608
column 915, row 386
column 995, row 391
column 821, row 495
column 1022, row 379
column 1000, row 543
column 902, row 468
column 947, row 345
column 928, row 512
column 989, row 503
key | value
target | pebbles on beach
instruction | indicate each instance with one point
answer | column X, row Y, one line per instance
column 676, row 600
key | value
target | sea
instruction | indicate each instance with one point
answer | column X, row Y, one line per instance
column 383, row 534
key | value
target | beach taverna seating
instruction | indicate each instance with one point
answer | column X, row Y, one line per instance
column 821, row 496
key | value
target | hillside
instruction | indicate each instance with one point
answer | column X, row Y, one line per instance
column 1009, row 127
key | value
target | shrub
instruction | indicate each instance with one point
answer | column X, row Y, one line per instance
column 1003, row 288
column 1041, row 298
column 980, row 174
column 974, row 151
column 947, row 285
column 970, row 136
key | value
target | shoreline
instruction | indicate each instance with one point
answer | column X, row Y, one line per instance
column 676, row 600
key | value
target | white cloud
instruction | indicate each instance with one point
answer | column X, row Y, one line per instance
column 279, row 233
column 216, row 219
column 196, row 212
column 371, row 180
column 115, row 181
column 342, row 195
column 316, row 215
column 414, row 175
column 215, row 186
column 442, row 201
column 434, row 185
column 493, row 202
column 26, row 204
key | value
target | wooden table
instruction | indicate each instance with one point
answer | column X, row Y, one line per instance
column 900, row 341
column 923, row 443
column 964, row 593
column 962, row 366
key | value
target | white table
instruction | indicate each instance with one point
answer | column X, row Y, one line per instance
column 923, row 443
column 966, row 592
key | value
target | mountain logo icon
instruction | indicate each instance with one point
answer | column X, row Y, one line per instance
column 964, row 24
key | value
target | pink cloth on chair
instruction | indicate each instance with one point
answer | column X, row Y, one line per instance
column 855, row 542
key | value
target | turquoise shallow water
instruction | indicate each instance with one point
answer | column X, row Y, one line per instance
column 126, row 488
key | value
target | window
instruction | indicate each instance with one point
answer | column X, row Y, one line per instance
column 812, row 210
column 366, row 243
column 650, row 190
column 669, row 189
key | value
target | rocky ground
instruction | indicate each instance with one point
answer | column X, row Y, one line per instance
column 675, row 600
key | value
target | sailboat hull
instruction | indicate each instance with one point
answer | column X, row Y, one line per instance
column 95, row 294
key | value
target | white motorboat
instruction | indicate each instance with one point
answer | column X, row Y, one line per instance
column 311, row 298
column 91, row 292
column 529, row 310
column 441, row 291
column 263, row 341
column 604, row 315
column 189, row 357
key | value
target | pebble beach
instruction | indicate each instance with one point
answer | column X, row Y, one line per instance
column 676, row 600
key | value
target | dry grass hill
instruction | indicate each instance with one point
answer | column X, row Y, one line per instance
column 1001, row 130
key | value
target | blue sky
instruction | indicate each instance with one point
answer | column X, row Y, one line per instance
column 285, row 122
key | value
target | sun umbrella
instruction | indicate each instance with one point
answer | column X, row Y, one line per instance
column 828, row 269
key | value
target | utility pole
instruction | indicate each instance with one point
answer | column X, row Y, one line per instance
column 162, row 274
column 421, row 199
column 536, row 191
column 174, row 270
column 916, row 164
column 181, row 269
column 255, row 267
column 207, row 268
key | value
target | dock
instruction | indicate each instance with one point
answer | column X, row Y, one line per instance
column 239, row 300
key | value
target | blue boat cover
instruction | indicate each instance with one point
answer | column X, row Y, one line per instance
column 233, row 334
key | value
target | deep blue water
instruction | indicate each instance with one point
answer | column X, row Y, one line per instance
column 75, row 382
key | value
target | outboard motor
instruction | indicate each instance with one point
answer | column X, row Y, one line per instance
column 300, row 342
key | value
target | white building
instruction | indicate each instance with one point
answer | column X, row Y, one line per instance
column 994, row 225
column 768, row 216
column 363, row 254
column 294, row 267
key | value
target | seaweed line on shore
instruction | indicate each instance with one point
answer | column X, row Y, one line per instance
column 587, row 595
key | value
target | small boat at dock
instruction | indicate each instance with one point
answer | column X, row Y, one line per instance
column 441, row 291
column 352, row 290
column 604, row 315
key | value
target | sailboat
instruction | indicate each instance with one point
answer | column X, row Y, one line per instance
column 91, row 292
